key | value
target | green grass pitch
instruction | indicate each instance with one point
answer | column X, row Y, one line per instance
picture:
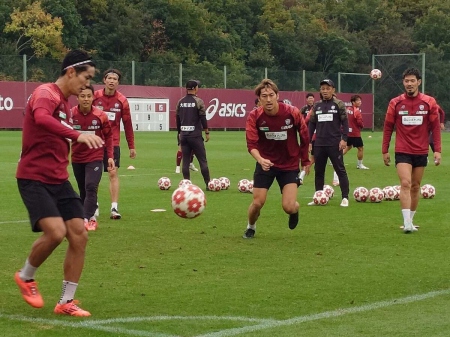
column 341, row 272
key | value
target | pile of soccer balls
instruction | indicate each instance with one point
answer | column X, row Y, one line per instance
column 388, row 193
column 245, row 186
column 322, row 197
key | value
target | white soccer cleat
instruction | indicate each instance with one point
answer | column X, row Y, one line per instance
column 177, row 169
column 409, row 228
column 344, row 202
column 97, row 211
column 312, row 203
column 362, row 167
column 192, row 167
column 335, row 182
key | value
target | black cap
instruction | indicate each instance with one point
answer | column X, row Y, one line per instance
column 327, row 81
column 192, row 84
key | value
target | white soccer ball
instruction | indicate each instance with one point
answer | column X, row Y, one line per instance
column 164, row 183
column 389, row 193
column 250, row 186
column 376, row 194
column 184, row 182
column 328, row 190
column 428, row 191
column 214, row 185
column 320, row 198
column 375, row 74
column 188, row 201
column 361, row 194
column 397, row 192
column 224, row 183
column 244, row 186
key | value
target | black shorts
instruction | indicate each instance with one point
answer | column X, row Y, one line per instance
column 416, row 160
column 116, row 158
column 264, row 179
column 355, row 141
column 45, row 200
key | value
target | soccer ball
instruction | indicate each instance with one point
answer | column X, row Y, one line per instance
column 224, row 183
column 188, row 201
column 397, row 192
column 361, row 194
column 244, row 185
column 375, row 74
column 250, row 186
column 389, row 193
column 214, row 185
column 164, row 183
column 376, row 194
column 428, row 191
column 328, row 190
column 320, row 198
column 184, row 182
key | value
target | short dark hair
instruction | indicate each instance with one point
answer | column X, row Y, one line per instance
column 309, row 94
column 90, row 87
column 78, row 59
column 413, row 72
column 354, row 98
column 256, row 101
column 266, row 83
column 112, row 71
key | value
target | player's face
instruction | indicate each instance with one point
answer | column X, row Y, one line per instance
column 310, row 100
column 357, row 103
column 327, row 91
column 269, row 100
column 411, row 84
column 78, row 82
column 111, row 81
column 85, row 99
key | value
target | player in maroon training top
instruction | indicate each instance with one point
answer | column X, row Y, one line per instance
column 271, row 133
column 87, row 163
column 53, row 206
column 413, row 115
column 117, row 108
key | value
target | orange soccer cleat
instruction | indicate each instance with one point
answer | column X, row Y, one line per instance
column 71, row 308
column 30, row 292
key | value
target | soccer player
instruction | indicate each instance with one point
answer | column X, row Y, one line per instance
column 87, row 163
column 42, row 178
column 355, row 124
column 116, row 106
column 309, row 104
column 413, row 115
column 329, row 121
column 191, row 120
column 271, row 134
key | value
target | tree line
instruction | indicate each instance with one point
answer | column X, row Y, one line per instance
column 324, row 36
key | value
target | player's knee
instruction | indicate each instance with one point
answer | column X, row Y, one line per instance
column 290, row 207
column 258, row 204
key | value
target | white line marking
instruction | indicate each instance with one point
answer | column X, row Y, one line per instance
column 326, row 314
column 13, row 221
column 261, row 324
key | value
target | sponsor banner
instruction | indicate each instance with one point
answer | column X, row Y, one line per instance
column 225, row 108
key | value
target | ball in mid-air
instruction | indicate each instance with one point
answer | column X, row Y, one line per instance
column 188, row 201
column 375, row 74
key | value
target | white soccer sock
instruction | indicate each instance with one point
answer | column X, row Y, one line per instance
column 252, row 226
column 302, row 175
column 335, row 176
column 406, row 216
column 114, row 205
column 411, row 215
column 359, row 162
column 68, row 292
column 27, row 272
